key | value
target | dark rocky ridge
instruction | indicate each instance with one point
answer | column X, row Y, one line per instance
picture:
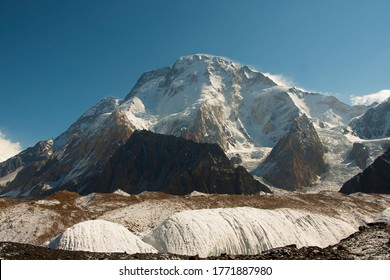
column 297, row 159
column 156, row 162
column 374, row 179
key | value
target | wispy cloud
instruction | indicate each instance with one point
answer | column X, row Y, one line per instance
column 8, row 148
column 369, row 99
column 280, row 79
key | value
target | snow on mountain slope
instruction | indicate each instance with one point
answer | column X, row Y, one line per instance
column 324, row 109
column 88, row 123
column 375, row 123
column 100, row 236
column 245, row 231
column 211, row 99
column 197, row 98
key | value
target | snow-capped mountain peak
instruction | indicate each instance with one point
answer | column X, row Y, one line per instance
column 206, row 99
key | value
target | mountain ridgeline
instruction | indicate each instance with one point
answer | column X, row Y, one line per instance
column 178, row 127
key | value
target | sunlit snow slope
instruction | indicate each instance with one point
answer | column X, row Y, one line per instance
column 245, row 231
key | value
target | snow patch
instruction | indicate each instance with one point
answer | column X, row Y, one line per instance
column 48, row 202
column 196, row 193
column 121, row 192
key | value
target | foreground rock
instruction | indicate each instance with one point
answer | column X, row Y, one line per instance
column 374, row 179
column 156, row 162
column 369, row 243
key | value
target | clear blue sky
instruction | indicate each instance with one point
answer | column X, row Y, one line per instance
column 58, row 58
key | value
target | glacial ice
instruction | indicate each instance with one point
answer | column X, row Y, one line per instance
column 244, row 230
column 100, row 236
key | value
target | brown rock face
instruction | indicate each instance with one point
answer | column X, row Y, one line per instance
column 374, row 179
column 297, row 159
column 155, row 162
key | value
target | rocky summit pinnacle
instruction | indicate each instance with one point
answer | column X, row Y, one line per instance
column 297, row 159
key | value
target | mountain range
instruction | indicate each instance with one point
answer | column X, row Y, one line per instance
column 287, row 138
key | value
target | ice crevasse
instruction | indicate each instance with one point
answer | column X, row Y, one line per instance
column 244, row 231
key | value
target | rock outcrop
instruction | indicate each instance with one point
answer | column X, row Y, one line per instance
column 374, row 179
column 359, row 154
column 297, row 159
column 155, row 162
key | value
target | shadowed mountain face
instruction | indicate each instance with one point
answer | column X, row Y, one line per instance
column 154, row 162
column 374, row 179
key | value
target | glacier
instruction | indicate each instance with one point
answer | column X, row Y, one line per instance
column 100, row 236
column 244, row 231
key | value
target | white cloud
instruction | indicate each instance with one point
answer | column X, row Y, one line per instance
column 369, row 99
column 8, row 148
column 280, row 79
